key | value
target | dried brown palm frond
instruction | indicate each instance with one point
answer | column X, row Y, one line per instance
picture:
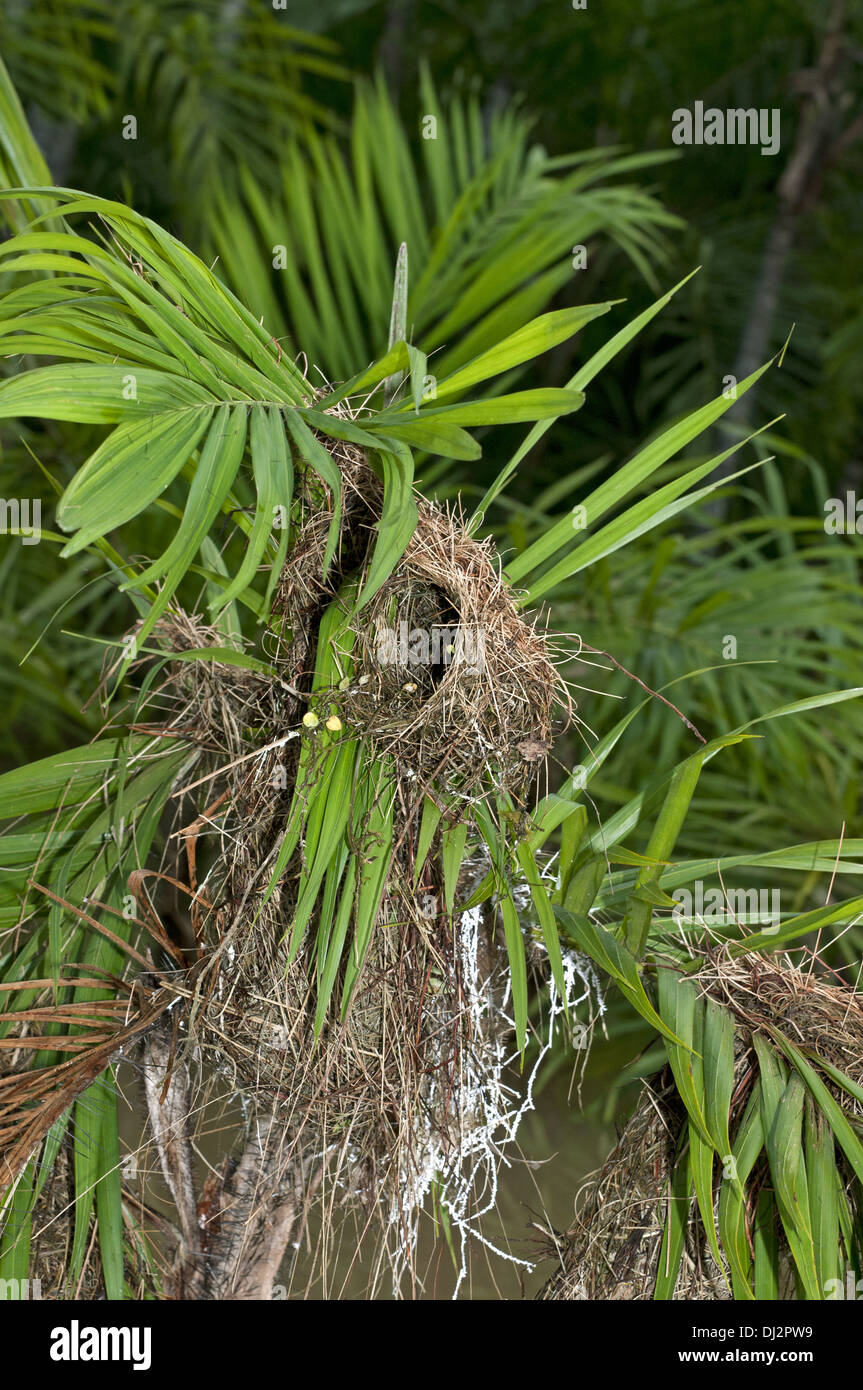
column 93, row 1032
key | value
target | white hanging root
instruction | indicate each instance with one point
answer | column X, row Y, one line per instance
column 487, row 1110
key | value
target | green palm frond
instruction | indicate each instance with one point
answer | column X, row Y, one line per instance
column 490, row 221
column 182, row 89
column 21, row 160
column 200, row 75
column 157, row 346
column 66, row 41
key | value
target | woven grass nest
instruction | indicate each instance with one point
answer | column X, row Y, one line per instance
column 451, row 680
column 406, row 1089
column 614, row 1246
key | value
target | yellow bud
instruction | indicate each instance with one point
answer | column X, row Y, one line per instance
column 311, row 720
column 334, row 724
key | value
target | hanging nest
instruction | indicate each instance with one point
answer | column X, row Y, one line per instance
column 408, row 1090
column 613, row 1250
column 450, row 679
